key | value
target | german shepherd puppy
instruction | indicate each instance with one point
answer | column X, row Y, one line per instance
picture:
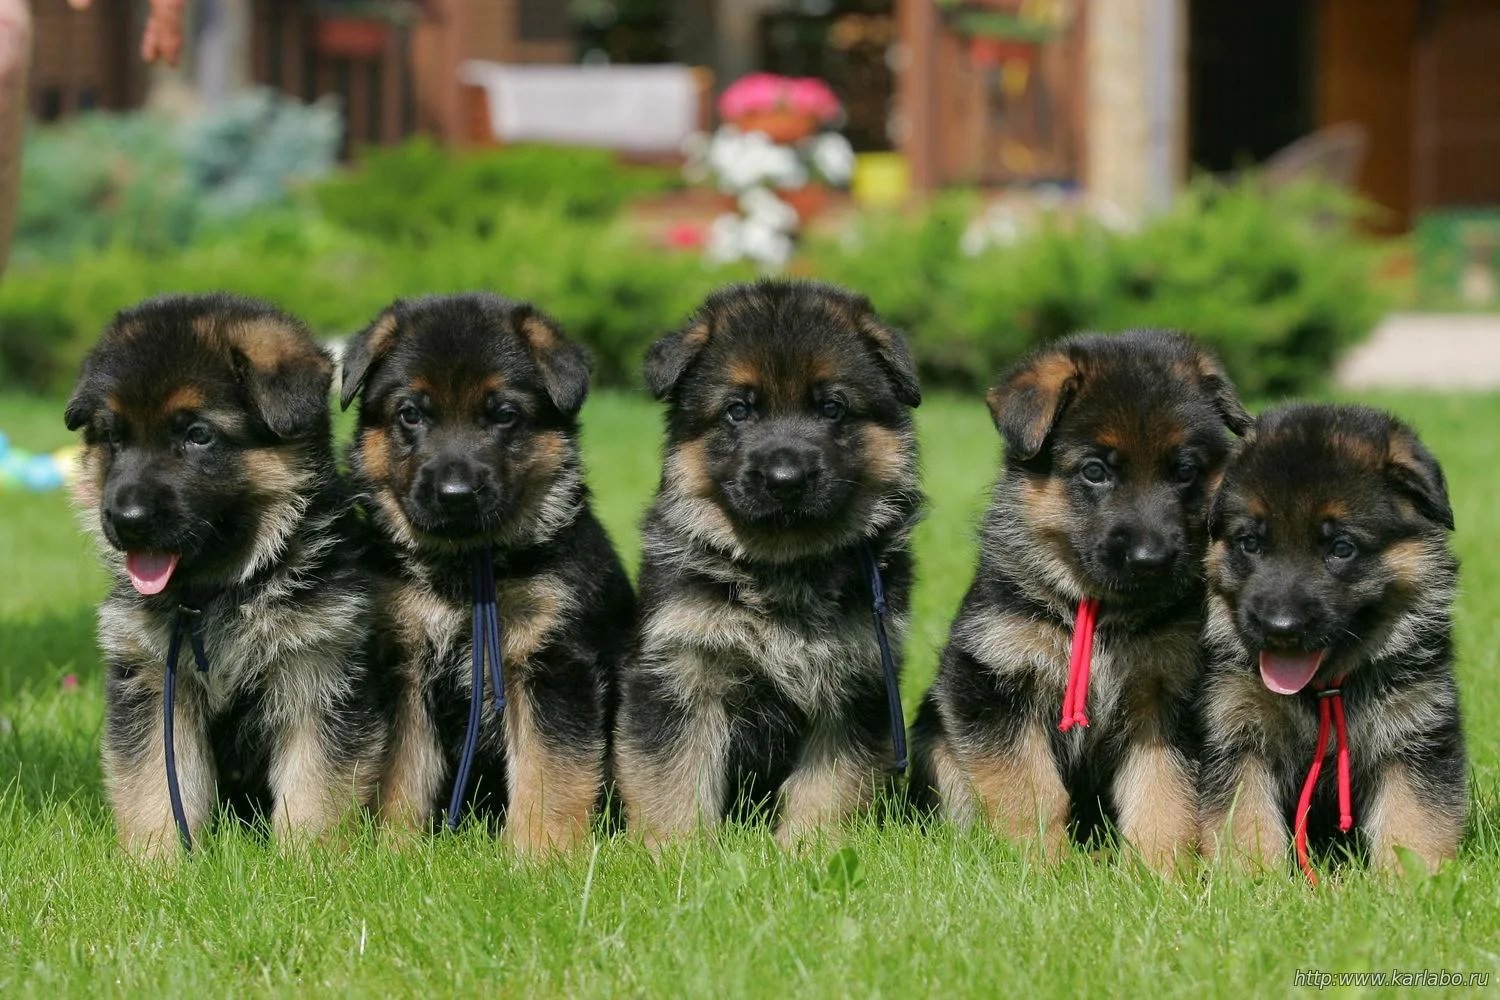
column 208, row 476
column 789, row 447
column 1111, row 446
column 468, row 438
column 1329, row 569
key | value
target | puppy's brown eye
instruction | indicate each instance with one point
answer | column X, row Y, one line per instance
column 1249, row 544
column 1187, row 474
column 200, row 435
column 506, row 416
column 409, row 415
column 737, row 411
column 1342, row 549
column 1094, row 471
column 831, row 409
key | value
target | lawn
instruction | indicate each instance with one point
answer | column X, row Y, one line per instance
column 870, row 912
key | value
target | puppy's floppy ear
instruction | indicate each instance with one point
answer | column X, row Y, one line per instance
column 286, row 373
column 363, row 351
column 1416, row 473
column 1215, row 381
column 890, row 347
column 565, row 365
column 84, row 401
column 669, row 358
column 1028, row 401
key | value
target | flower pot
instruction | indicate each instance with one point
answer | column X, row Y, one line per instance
column 350, row 37
column 988, row 51
column 780, row 126
column 809, row 200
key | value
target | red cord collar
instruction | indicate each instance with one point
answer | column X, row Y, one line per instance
column 1080, row 663
column 1330, row 714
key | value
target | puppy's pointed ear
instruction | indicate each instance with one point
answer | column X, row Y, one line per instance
column 287, row 374
column 84, row 401
column 890, row 347
column 1028, row 401
column 671, row 356
column 363, row 351
column 1216, row 382
column 565, row 365
column 1416, row 473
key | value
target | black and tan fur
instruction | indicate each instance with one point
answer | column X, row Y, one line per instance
column 206, row 434
column 468, row 437
column 756, row 680
column 1146, row 413
column 1330, row 533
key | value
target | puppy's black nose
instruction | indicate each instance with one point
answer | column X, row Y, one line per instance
column 785, row 478
column 1283, row 622
column 131, row 512
column 1140, row 550
column 1151, row 553
column 455, row 481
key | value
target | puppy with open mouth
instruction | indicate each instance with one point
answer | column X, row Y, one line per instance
column 208, row 476
column 787, row 498
column 466, row 458
column 1063, row 696
column 1330, row 710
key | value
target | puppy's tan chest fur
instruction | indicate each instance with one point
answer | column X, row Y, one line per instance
column 304, row 647
column 1240, row 707
column 1131, row 671
column 432, row 631
column 808, row 646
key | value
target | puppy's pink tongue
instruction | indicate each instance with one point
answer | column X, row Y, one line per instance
column 150, row 571
column 1288, row 673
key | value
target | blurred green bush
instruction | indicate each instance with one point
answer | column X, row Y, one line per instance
column 149, row 183
column 421, row 192
column 1278, row 282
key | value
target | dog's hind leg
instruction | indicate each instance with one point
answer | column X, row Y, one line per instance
column 837, row 776
column 671, row 758
column 1156, row 803
column 1240, row 812
column 414, row 766
column 554, row 775
column 1403, row 813
column 135, row 770
column 1019, row 789
column 326, row 753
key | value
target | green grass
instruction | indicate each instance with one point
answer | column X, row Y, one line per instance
column 945, row 912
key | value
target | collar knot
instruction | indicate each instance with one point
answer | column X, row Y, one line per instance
column 1330, row 699
column 1080, row 666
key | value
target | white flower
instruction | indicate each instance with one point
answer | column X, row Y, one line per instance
column 759, row 205
column 766, row 246
column 723, row 244
column 731, row 238
column 832, row 157
column 741, row 160
column 996, row 226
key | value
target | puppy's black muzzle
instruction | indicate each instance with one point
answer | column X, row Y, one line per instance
column 141, row 514
column 784, row 483
column 1143, row 556
column 454, row 495
column 1283, row 616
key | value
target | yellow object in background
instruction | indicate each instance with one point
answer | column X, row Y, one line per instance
column 67, row 461
column 881, row 180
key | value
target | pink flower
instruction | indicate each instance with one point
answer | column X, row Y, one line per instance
column 686, row 236
column 70, row 682
column 811, row 96
column 761, row 92
column 749, row 94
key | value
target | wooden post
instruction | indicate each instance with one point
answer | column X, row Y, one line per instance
column 915, row 92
